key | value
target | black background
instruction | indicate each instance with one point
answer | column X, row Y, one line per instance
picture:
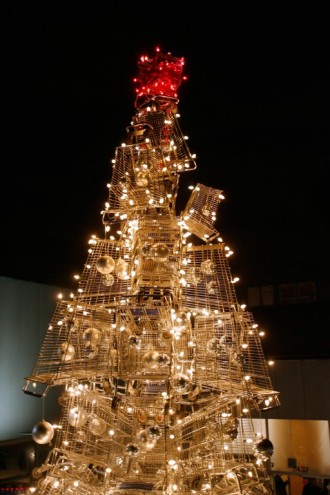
column 255, row 107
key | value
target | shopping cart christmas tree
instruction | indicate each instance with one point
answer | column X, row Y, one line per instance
column 161, row 370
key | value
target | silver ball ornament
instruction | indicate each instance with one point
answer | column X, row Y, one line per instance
column 122, row 268
column 145, row 441
column 159, row 252
column 154, row 432
column 151, row 359
column 97, row 426
column 77, row 417
column 91, row 336
column 108, row 280
column 265, row 447
column 142, row 179
column 134, row 341
column 132, row 449
column 105, row 265
column 42, row 432
column 66, row 351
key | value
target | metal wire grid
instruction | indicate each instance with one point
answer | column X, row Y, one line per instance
column 70, row 476
column 229, row 356
column 85, row 450
column 75, row 470
column 88, row 420
column 96, row 288
column 209, row 283
column 54, row 486
column 78, row 345
column 81, row 340
column 104, row 435
column 168, row 136
column 144, row 352
column 137, row 342
column 145, row 173
column 140, row 178
column 209, row 454
column 213, row 449
column 156, row 253
column 200, row 211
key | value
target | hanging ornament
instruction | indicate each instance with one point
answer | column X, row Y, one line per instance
column 132, row 449
column 264, row 448
column 97, row 426
column 230, row 429
column 77, row 416
column 159, row 252
column 134, row 341
column 107, row 385
column 145, row 441
column 120, row 262
column 81, row 436
column 150, row 359
column 66, row 351
column 108, row 280
column 142, row 416
column 142, row 179
column 197, row 483
column 105, row 265
column 124, row 181
column 134, row 388
column 154, row 432
column 164, row 330
column 213, row 346
column 206, row 210
column 42, row 432
column 163, row 360
column 91, row 336
column 207, row 267
column 91, row 351
column 194, row 393
column 146, row 248
column 122, row 269
column 166, row 334
column 159, row 418
column 182, row 384
column 64, row 398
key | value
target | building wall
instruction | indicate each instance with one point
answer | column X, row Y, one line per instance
column 25, row 311
column 304, row 386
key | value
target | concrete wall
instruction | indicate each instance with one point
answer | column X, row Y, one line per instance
column 25, row 311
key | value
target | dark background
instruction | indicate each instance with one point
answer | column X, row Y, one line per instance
column 255, row 108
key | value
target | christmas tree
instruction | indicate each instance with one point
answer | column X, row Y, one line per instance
column 161, row 370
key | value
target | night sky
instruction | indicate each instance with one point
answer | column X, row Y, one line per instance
column 255, row 107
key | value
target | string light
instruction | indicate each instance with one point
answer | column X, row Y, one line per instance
column 162, row 366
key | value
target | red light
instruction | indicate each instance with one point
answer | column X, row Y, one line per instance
column 163, row 71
